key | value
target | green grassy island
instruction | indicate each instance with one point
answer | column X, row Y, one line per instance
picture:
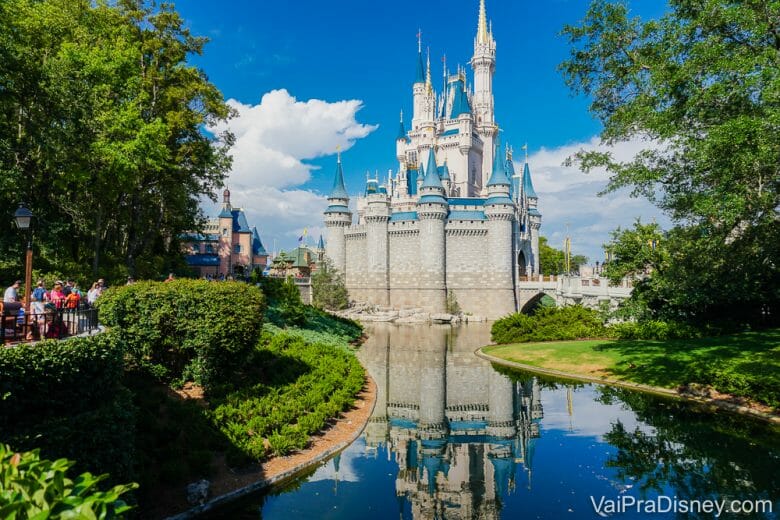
column 745, row 364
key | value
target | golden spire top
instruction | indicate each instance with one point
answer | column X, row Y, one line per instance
column 482, row 28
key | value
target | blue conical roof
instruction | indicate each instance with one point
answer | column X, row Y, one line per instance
column 338, row 191
column 528, row 186
column 420, row 78
column 321, row 243
column 257, row 245
column 460, row 101
column 432, row 179
column 444, row 172
column 401, row 132
column 498, row 177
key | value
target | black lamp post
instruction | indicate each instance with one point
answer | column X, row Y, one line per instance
column 23, row 218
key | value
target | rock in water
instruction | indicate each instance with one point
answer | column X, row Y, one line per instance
column 198, row 492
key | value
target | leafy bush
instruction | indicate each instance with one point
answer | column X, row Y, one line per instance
column 304, row 384
column 328, row 288
column 654, row 330
column 549, row 324
column 204, row 329
column 35, row 488
column 106, row 433
column 58, row 377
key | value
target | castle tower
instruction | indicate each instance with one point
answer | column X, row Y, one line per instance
column 433, row 389
column 501, row 405
column 225, row 248
column 500, row 212
column 376, row 217
column 535, row 218
column 432, row 209
column 337, row 219
column 484, row 64
column 418, row 88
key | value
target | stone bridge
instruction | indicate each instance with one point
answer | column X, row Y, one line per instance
column 588, row 291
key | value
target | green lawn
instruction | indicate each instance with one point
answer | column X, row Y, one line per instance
column 746, row 364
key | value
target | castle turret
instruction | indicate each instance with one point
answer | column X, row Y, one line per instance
column 418, row 88
column 444, row 174
column 377, row 214
column 534, row 217
column 500, row 212
column 337, row 218
column 484, row 64
column 432, row 209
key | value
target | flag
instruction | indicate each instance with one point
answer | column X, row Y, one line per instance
column 305, row 231
column 300, row 239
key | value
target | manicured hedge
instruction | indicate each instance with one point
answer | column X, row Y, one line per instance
column 305, row 385
column 53, row 378
column 549, row 324
column 186, row 329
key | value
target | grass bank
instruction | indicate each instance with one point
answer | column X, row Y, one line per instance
column 744, row 365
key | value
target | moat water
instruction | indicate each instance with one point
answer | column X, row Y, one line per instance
column 452, row 437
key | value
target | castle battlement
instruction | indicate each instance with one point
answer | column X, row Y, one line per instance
column 454, row 222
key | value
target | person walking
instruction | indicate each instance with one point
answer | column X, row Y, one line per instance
column 93, row 293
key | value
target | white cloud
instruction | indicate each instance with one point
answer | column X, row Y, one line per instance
column 568, row 196
column 274, row 139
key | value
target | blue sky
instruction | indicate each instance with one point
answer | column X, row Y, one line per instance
column 307, row 76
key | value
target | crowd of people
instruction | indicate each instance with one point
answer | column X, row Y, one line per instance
column 47, row 304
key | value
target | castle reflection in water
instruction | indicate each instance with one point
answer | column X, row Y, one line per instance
column 458, row 429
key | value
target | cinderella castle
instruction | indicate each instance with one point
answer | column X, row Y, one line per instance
column 456, row 222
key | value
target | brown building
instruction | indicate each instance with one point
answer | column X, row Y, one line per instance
column 227, row 246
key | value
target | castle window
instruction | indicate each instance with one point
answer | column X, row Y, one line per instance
column 224, row 232
column 209, row 248
column 237, row 248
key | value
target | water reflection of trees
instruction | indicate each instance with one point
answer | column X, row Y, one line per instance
column 689, row 452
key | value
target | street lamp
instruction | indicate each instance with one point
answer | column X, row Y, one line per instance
column 23, row 218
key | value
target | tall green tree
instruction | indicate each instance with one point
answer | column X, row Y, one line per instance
column 553, row 261
column 328, row 288
column 701, row 86
column 101, row 120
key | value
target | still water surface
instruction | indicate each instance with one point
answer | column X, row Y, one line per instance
column 453, row 437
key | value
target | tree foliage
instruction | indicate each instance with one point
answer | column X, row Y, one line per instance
column 329, row 289
column 701, row 86
column 101, row 119
column 553, row 261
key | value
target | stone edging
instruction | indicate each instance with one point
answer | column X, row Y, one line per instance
column 245, row 491
column 667, row 392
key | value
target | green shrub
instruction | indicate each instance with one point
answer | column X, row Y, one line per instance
column 100, row 439
column 35, row 488
column 304, row 384
column 654, row 330
column 328, row 288
column 194, row 327
column 549, row 324
column 54, row 378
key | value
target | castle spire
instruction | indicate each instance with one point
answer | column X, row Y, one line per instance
column 428, row 81
column 432, row 179
column 338, row 191
column 499, row 177
column 482, row 28
column 401, row 129
column 420, row 78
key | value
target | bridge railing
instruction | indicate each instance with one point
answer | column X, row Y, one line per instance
column 18, row 327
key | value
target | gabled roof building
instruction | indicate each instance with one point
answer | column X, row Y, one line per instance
column 228, row 246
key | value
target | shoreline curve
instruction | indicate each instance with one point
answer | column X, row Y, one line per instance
column 773, row 419
column 285, row 474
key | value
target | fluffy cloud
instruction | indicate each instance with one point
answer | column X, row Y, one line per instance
column 273, row 140
column 568, row 197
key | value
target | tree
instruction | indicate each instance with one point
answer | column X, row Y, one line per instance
column 553, row 261
column 636, row 252
column 329, row 289
column 101, row 123
column 700, row 86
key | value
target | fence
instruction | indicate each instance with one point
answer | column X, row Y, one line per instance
column 16, row 326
